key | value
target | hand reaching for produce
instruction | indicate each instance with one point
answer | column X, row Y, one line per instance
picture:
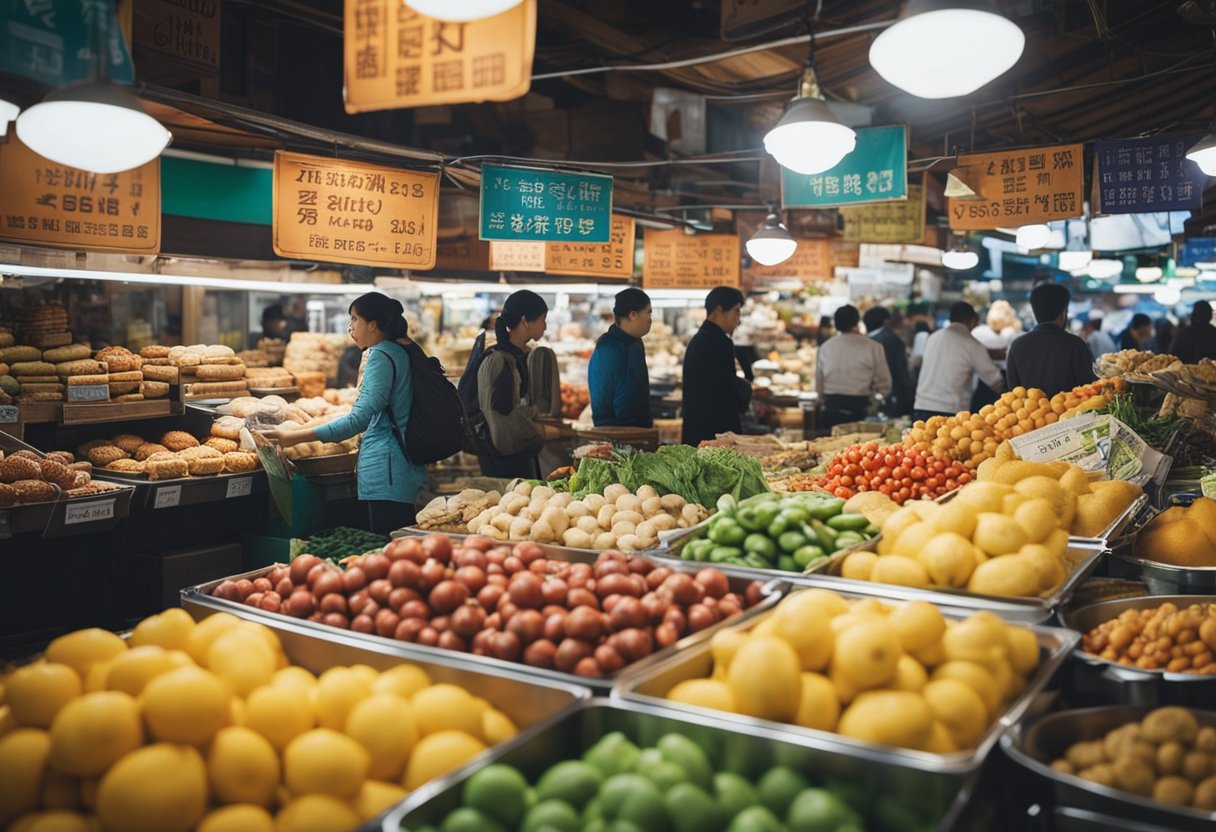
column 286, row 437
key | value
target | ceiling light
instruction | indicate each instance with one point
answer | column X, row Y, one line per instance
column 1148, row 274
column 1035, row 236
column 809, row 138
column 1074, row 261
column 1204, row 152
column 1167, row 295
column 8, row 112
column 1105, row 269
column 772, row 243
column 959, row 257
column 461, row 11
column 96, row 126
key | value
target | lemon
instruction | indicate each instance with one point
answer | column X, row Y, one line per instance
column 237, row 818
column 977, row 638
column 169, row 630
column 956, row 517
column 205, row 632
column 375, row 797
column 7, row 721
column 439, row 753
column 294, row 677
column 132, row 671
column 316, row 813
column 82, row 649
column 242, row 659
column 37, row 691
column 157, row 788
column 858, row 566
column 384, row 725
column 56, row 820
column 1037, row 518
column 704, row 693
column 805, row 626
column 338, row 691
column 900, row 570
column 978, row 678
column 909, row 675
column 93, row 732
column 867, row 654
column 322, row 761
column 949, row 559
column 1023, row 650
column 899, row 718
column 819, row 705
column 765, row 678
column 443, row 708
column 918, row 625
column 404, row 680
column 998, row 534
column 242, row 767
column 959, row 709
column 97, row 676
column 59, row 791
column 280, row 714
column 187, row 705
column 236, row 711
column 724, row 645
column 23, row 757
column 366, row 672
column 940, row 741
column 497, row 726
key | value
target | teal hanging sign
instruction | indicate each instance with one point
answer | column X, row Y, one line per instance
column 876, row 171
column 53, row 42
column 545, row 205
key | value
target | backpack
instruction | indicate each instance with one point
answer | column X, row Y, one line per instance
column 437, row 424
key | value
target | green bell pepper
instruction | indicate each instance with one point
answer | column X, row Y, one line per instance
column 766, row 514
column 848, row 522
column 791, row 541
column 760, row 545
column 825, row 535
column 726, row 532
column 756, row 561
column 786, row 564
column 698, row 550
column 827, row 509
column 848, row 539
column 778, row 527
column 795, row 515
column 719, row 554
column 870, row 530
column 807, row 555
column 748, row 518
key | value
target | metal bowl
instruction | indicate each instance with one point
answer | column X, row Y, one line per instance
column 1161, row 578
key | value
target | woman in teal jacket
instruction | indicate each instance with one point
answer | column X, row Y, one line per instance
column 388, row 481
column 617, row 377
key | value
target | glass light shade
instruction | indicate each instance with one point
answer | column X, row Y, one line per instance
column 1204, row 153
column 809, row 138
column 946, row 48
column 772, row 243
column 461, row 11
column 1033, row 236
column 96, row 126
column 8, row 112
column 1105, row 269
column 960, row 259
column 1072, row 261
column 1167, row 295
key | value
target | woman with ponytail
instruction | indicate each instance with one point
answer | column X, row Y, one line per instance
column 388, row 481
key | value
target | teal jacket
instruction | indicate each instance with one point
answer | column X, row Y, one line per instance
column 384, row 472
column 619, row 382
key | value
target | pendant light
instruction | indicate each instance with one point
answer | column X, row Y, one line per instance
column 1034, row 236
column 1204, row 152
column 461, row 11
column 946, row 48
column 8, row 112
column 959, row 256
column 772, row 243
column 809, row 138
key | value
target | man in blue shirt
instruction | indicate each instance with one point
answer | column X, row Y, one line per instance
column 617, row 377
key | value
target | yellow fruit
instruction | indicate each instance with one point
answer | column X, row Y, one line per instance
column 899, row 718
column 205, row 632
column 901, row 570
column 238, row 818
column 846, row 691
column 1046, row 488
column 242, row 659
column 979, row 638
column 914, row 539
column 37, row 691
column 1057, row 542
column 23, row 758
column 82, row 649
column 704, row 693
column 918, row 625
column 896, row 525
column 439, row 753
column 404, row 680
column 1012, row 575
column 957, row 517
column 322, row 761
column 93, row 732
column 983, row 497
column 280, row 714
column 339, row 690
column 7, row 721
column 1075, row 480
column 764, row 679
column 997, row 534
column 1046, row 563
column 930, row 656
column 1014, row 470
column 376, row 796
column 1011, row 503
column 157, row 788
column 88, row 793
column 724, row 645
column 843, row 622
column 978, row 678
column 59, row 791
column 497, row 727
column 1023, row 650
column 316, row 813
column 949, row 559
column 58, row 820
column 818, row 704
column 1037, row 519
column 445, row 707
column 829, row 602
column 909, row 675
column 242, row 767
column 295, row 677
column 131, row 671
column 859, row 566
column 170, row 630
column 187, row 705
column 806, row 628
column 959, row 708
column 940, row 741
column 383, row 724
column 867, row 654
column 99, row 673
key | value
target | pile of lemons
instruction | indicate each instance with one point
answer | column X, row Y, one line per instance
column 207, row 727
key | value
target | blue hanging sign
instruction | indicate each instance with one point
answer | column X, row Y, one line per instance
column 1144, row 176
column 53, row 42
column 876, row 171
column 1197, row 250
column 545, row 205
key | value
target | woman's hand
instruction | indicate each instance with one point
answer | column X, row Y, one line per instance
column 286, row 437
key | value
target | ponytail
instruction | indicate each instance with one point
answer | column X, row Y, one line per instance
column 388, row 313
column 520, row 306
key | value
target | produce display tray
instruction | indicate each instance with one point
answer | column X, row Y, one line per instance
column 552, row 550
column 749, row 752
column 325, row 466
column 189, row 491
column 1161, row 578
column 68, row 516
column 1035, row 744
column 655, row 676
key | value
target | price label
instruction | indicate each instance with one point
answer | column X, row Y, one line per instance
column 240, row 487
column 168, row 497
column 88, row 392
column 76, row 513
column 8, row 414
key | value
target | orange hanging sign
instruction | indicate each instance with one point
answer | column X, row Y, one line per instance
column 517, row 256
column 611, row 259
column 675, row 260
column 1019, row 187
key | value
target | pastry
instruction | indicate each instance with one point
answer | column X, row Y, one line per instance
column 177, row 440
column 34, row 491
column 11, row 355
column 8, row 495
column 224, row 446
column 129, row 397
column 219, row 387
column 166, row 469
column 104, row 455
column 122, row 388
column 129, row 442
column 14, row 468
column 84, row 449
column 157, row 362
column 205, row 465
column 169, row 375
column 34, row 389
column 220, row 372
column 126, row 466
column 80, row 479
column 32, row 368
column 25, row 454
column 154, row 389
column 40, row 397
column 81, row 381
column 83, row 465
column 240, row 462
column 148, row 448
column 65, row 457
column 199, row 452
column 6, row 338
column 119, row 359
column 154, row 351
column 72, row 352
column 129, row 375
column 56, row 473
column 49, row 340
column 161, row 456
column 227, row 427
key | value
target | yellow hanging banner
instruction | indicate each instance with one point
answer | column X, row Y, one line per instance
column 1019, row 187
column 887, row 222
column 611, row 259
column 675, row 260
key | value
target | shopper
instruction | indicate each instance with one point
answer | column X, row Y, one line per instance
column 1100, row 343
column 876, row 320
column 617, row 377
column 1049, row 357
column 1137, row 334
column 388, row 481
column 1197, row 341
column 953, row 358
column 274, row 323
column 849, row 370
column 1163, row 337
column 714, row 395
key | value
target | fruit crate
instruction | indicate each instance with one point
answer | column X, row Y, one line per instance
column 906, row 797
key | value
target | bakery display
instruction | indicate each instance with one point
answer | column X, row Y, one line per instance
column 26, row 477
column 172, row 455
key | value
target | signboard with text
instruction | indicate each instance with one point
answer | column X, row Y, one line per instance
column 887, row 222
column 517, row 257
column 1144, row 176
column 876, row 171
column 675, row 260
column 395, row 57
column 1019, row 187
column 50, row 204
column 463, row 254
column 545, row 205
column 611, row 259
column 188, row 33
column 351, row 212
column 52, row 43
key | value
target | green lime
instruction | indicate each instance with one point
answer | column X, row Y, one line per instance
column 734, row 793
column 755, row 819
column 663, row 773
column 498, row 791
column 555, row 815
column 573, row 781
column 819, row 810
column 689, row 756
column 465, row 819
column 778, row 788
column 613, row 754
column 593, row 811
column 623, row 826
column 692, row 810
column 633, row 798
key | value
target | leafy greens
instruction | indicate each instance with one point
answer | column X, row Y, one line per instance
column 698, row 475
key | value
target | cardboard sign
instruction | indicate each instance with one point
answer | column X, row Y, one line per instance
column 1019, row 187
column 395, row 57
column 187, row 33
column 517, row 257
column 611, row 259
column 888, row 222
column 545, row 205
column 51, row 204
column 351, row 212
column 1144, row 176
column 814, row 261
column 748, row 18
column 675, row 260
column 876, row 171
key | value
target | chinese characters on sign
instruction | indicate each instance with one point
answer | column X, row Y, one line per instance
column 395, row 57
column 188, row 32
column 1019, row 187
column 876, row 171
column 51, row 204
column 543, row 205
column 350, row 212
column 811, row 262
column 675, row 260
column 52, row 42
column 1135, row 176
column 517, row 257
column 888, row 222
column 611, row 259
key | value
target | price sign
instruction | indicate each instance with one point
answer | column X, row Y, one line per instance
column 168, row 497
column 8, row 414
column 239, row 487
column 1143, row 176
column 545, row 205
column 91, row 512
column 888, row 222
column 88, row 392
column 1019, row 187
column 675, row 260
column 517, row 257
column 350, row 212
column 611, row 259
column 187, row 33
column 469, row 255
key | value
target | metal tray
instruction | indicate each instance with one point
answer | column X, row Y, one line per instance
column 748, row 752
column 1036, row 744
column 1161, row 578
column 325, row 466
column 650, row 682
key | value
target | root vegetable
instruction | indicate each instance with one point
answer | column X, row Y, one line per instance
column 614, row 492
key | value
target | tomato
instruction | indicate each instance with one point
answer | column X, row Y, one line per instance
column 918, row 472
column 964, row 478
column 951, row 484
column 899, row 472
column 853, row 455
column 869, row 464
column 852, row 469
column 885, row 489
column 932, row 482
column 846, row 480
column 884, row 473
column 843, row 493
column 905, row 482
column 904, row 494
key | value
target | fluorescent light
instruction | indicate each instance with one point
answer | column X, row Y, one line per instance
column 1204, row 152
column 461, row 11
column 1134, row 289
column 1105, row 269
column 1034, row 236
column 281, row 287
column 1167, row 295
column 809, row 138
column 8, row 112
column 960, row 258
column 1149, row 274
column 1072, row 261
column 946, row 48
column 772, row 243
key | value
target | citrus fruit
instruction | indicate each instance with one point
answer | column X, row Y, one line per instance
column 734, row 794
column 59, row 791
column 909, row 675
column 818, row 705
column 56, row 820
column 498, row 791
column 689, row 756
column 692, row 809
column 366, row 672
column 704, row 693
column 187, row 705
column 765, row 677
column 978, row 638
column 1023, row 649
column 316, row 813
column 445, row 708
column 552, row 816
column 131, row 671
column 899, row 718
column 975, row 676
column 82, row 649
column 170, row 629
column 497, row 727
column 242, row 767
column 724, row 645
column 806, row 628
column 280, row 714
column 293, row 676
column 338, row 691
column 322, row 761
column 37, row 691
column 404, row 680
column 778, row 787
column 375, row 796
column 157, row 788
column 959, row 708
column 1011, row 575
column 23, row 757
column 242, row 659
column 940, row 741
column 384, row 725
column 94, row 731
column 817, row 809
column 571, row 781
column 868, row 652
column 631, row 797
column 755, row 819
column 439, row 753
column 466, row 819
column 237, row 818
column 207, row 631
column 663, row 773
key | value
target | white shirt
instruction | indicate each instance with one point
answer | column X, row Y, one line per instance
column 952, row 358
column 1100, row 343
column 850, row 364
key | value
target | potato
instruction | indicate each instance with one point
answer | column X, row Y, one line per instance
column 1205, row 795
column 672, row 502
column 543, row 492
column 520, row 528
column 1115, row 740
column 594, row 502
column 514, row 503
column 533, row 511
column 1064, row 767
column 663, row 522
column 646, row 530
column 1205, row 740
column 503, row 522
column 652, row 507
column 691, row 513
column 629, row 543
column 542, row 532
column 605, row 540
column 623, row 516
column 576, row 509
column 1103, row 774
column 614, row 492
column 491, row 532
column 1170, row 723
column 1197, row 765
column 523, row 489
column 1176, row 791
column 624, row 527
column 588, row 524
column 604, row 516
column 1169, row 758
column 628, row 502
column 578, row 539
column 1134, row 775
column 1085, row 755
column 556, row 518
column 647, row 492
column 561, row 500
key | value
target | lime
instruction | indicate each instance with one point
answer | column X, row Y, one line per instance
column 755, row 819
column 593, row 812
column 465, row 819
column 573, row 781
column 633, row 798
column 663, row 773
column 498, row 791
column 551, row 816
column 613, row 754
column 778, row 788
column 818, row 810
column 689, row 756
column 692, row 810
column 624, row 826
column 734, row 793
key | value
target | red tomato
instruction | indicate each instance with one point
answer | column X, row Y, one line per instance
column 964, row 478
column 904, row 494
column 884, row 473
column 852, row 469
column 843, row 493
column 846, row 480
column 951, row 484
column 885, row 489
column 899, row 473
column 918, row 472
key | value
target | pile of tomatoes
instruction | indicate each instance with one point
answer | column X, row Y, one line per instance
column 900, row 472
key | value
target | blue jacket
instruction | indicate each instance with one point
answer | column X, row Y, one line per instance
column 619, row 382
column 384, row 472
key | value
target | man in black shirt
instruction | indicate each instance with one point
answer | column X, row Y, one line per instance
column 1197, row 341
column 876, row 320
column 1049, row 357
column 714, row 396
column 1137, row 334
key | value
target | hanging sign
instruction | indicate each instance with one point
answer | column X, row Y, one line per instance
column 185, row 32
column 675, row 260
column 395, row 57
column 351, row 212
column 811, row 262
column 888, row 222
column 876, row 171
column 517, row 257
column 611, row 259
column 51, row 204
column 1144, row 176
column 545, row 205
column 463, row 254
column 1019, row 187
column 1196, row 250
column 52, row 42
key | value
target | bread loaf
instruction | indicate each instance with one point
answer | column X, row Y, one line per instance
column 79, row 381
column 32, row 368
column 49, row 340
column 78, row 367
column 220, row 372
column 129, row 375
column 72, row 352
column 154, row 351
column 14, row 355
column 218, row 387
column 169, row 375
column 154, row 389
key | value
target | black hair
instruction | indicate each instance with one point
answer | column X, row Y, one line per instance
column 961, row 312
column 520, row 306
column 1201, row 312
column 488, row 320
column 629, row 301
column 1049, row 301
column 921, row 326
column 1139, row 320
column 388, row 313
column 846, row 318
column 274, row 312
column 876, row 317
column 725, row 298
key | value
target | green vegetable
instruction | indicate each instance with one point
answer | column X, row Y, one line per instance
column 721, row 554
column 342, row 542
column 757, row 561
column 791, row 541
column 828, row 508
column 760, row 545
column 848, row 522
column 726, row 532
column 749, row 518
column 1154, row 430
column 787, row 564
column 698, row 475
column 826, row 536
column 806, row 556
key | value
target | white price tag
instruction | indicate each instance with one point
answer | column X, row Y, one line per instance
column 8, row 414
column 88, row 392
column 168, row 497
column 240, row 487
column 76, row 513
